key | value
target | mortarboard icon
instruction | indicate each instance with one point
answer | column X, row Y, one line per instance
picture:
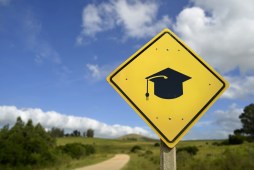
column 168, row 83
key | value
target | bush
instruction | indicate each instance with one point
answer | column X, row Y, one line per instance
column 156, row 144
column 218, row 143
column 89, row 149
column 148, row 152
column 232, row 140
column 135, row 148
column 192, row 150
column 249, row 139
column 229, row 159
column 26, row 145
column 235, row 139
column 224, row 142
column 77, row 150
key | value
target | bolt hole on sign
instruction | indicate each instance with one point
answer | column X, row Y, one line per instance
column 168, row 85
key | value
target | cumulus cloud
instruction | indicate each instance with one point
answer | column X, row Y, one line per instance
column 223, row 123
column 96, row 72
column 228, row 120
column 220, row 126
column 49, row 119
column 137, row 19
column 220, row 31
column 240, row 87
column 97, row 18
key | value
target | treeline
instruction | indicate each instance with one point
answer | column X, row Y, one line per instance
column 58, row 132
column 27, row 146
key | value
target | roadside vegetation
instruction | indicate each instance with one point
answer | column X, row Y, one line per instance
column 234, row 153
column 25, row 146
column 28, row 146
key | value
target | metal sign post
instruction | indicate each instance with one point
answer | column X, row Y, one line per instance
column 167, row 157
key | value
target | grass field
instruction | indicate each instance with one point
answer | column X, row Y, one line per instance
column 209, row 156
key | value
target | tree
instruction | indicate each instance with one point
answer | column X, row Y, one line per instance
column 4, row 132
column 76, row 133
column 235, row 139
column 25, row 145
column 56, row 132
column 247, row 119
column 84, row 134
column 239, row 132
column 90, row 133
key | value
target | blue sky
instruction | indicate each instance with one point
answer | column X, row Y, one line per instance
column 55, row 56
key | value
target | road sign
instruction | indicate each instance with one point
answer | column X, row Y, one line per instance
column 168, row 85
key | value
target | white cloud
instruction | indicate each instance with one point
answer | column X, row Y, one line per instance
column 240, row 87
column 94, row 69
column 42, row 49
column 203, row 123
column 97, row 19
column 49, row 119
column 137, row 19
column 219, row 126
column 221, row 32
column 97, row 72
column 4, row 2
column 228, row 120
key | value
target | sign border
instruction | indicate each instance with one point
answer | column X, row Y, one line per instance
column 166, row 31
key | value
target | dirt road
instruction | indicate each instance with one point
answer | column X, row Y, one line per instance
column 115, row 163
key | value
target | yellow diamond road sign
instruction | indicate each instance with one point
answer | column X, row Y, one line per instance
column 168, row 85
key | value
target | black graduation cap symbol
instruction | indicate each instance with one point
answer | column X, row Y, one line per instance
column 168, row 83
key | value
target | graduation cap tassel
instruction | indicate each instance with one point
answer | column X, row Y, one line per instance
column 147, row 94
column 149, row 78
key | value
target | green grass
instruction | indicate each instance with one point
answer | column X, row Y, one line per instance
column 136, row 137
column 138, row 162
column 108, row 147
column 103, row 146
column 67, row 164
column 208, row 157
column 147, row 158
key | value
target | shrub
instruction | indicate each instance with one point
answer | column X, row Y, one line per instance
column 232, row 140
column 148, row 152
column 235, row 139
column 89, row 149
column 249, row 139
column 26, row 145
column 225, row 142
column 189, row 149
column 156, row 144
column 77, row 150
column 135, row 148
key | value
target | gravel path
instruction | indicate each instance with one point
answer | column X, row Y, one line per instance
column 115, row 163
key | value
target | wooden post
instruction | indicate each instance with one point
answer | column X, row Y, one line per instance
column 167, row 157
